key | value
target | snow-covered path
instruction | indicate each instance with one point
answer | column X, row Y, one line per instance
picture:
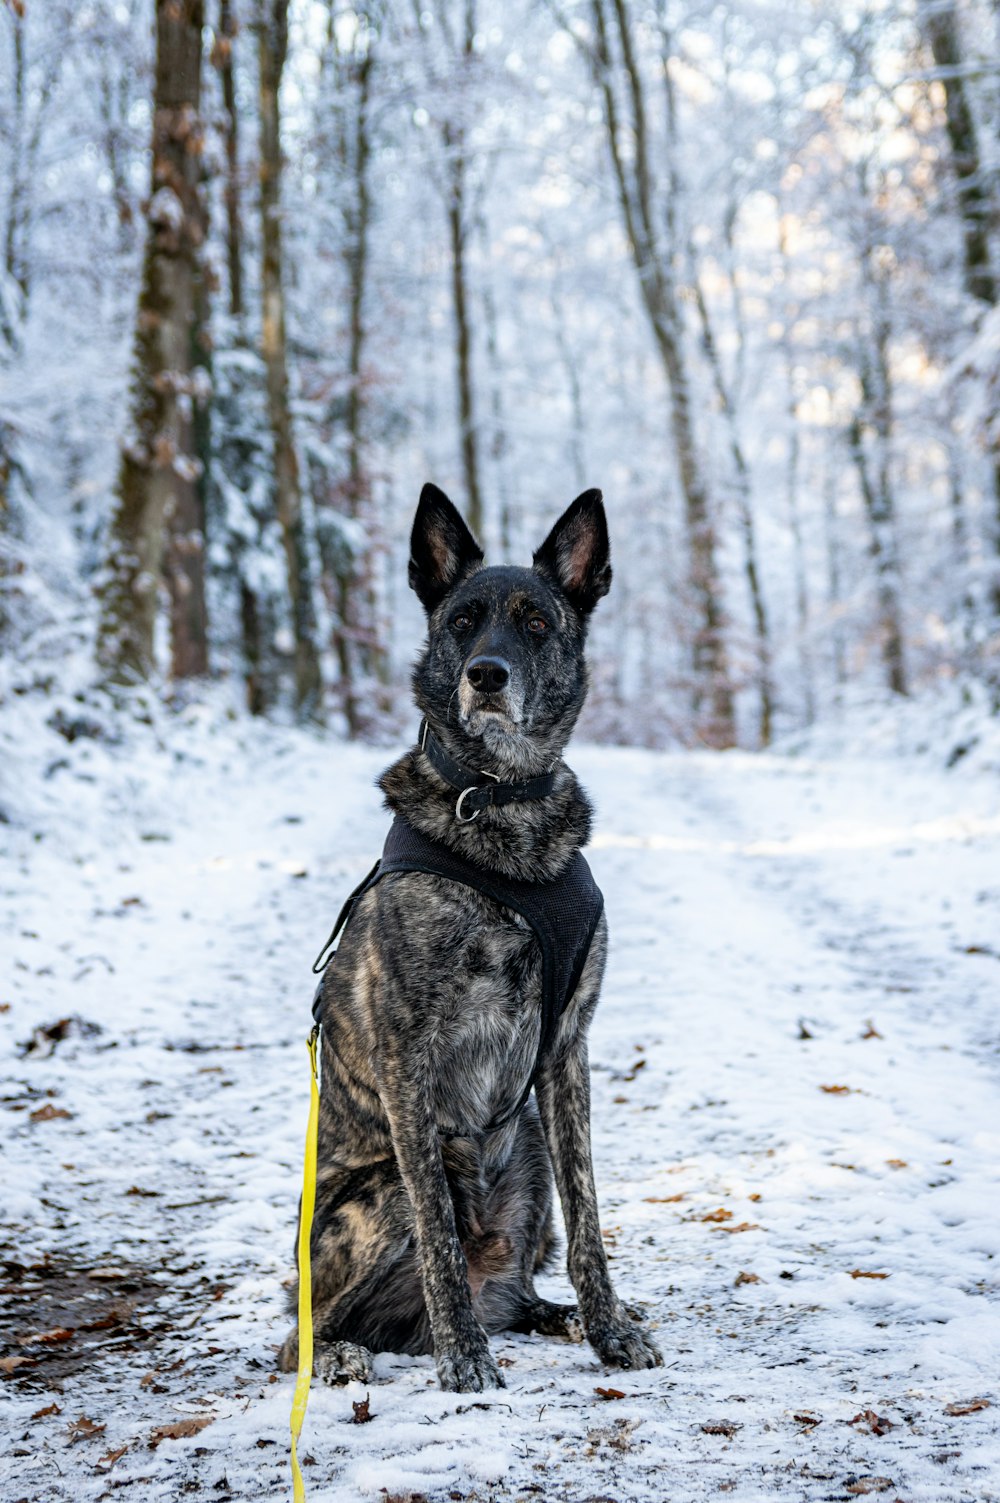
column 797, row 1137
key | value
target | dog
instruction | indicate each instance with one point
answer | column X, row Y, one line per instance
column 435, row 1166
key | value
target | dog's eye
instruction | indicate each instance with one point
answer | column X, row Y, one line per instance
column 461, row 621
column 537, row 624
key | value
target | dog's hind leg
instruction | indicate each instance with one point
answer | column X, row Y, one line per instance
column 543, row 1318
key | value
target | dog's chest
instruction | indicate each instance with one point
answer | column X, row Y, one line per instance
column 484, row 1013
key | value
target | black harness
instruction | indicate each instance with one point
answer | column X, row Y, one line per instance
column 563, row 912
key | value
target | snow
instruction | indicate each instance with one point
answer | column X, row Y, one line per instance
column 781, row 925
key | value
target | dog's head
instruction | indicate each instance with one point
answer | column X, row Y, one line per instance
column 503, row 667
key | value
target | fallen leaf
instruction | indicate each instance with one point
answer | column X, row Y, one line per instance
column 8, row 1364
column 135, row 1190
column 362, row 1411
column 744, row 1226
column 662, row 1200
column 861, row 1273
column 747, row 1278
column 836, row 1090
column 868, row 1484
column 609, row 1393
column 505, row 1362
column 49, row 1338
column 105, row 1322
column 871, row 1032
column 869, row 1420
column 111, row 1457
column 728, row 1428
column 84, row 1429
column 49, row 1409
column 755, row 1197
column 896, row 1163
column 810, row 1420
column 970, row 1408
column 179, row 1429
column 720, row 1215
column 48, row 1113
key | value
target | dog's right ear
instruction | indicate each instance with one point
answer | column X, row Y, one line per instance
column 442, row 549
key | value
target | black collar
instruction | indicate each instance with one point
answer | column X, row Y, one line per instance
column 475, row 793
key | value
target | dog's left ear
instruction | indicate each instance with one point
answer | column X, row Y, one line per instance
column 442, row 549
column 576, row 554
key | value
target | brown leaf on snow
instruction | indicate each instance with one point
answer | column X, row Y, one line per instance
column 871, row 1032
column 970, row 1408
column 807, row 1419
column 111, row 1457
column 897, row 1163
column 50, row 1338
column 135, row 1190
column 743, row 1226
column 728, row 1428
column 8, row 1364
column 609, row 1393
column 180, row 1429
column 662, row 1200
column 84, row 1429
column 48, row 1113
column 720, row 1215
column 362, row 1411
column 836, row 1090
column 49, row 1409
column 862, row 1273
column 869, row 1420
column 747, row 1278
column 868, row 1484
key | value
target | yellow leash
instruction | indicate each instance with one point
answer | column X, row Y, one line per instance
column 301, row 1396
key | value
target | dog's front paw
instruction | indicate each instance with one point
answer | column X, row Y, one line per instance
column 339, row 1361
column 469, row 1372
column 621, row 1344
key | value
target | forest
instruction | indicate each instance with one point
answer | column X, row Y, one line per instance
column 266, row 267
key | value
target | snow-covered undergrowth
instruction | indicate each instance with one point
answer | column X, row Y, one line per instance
column 796, row 1132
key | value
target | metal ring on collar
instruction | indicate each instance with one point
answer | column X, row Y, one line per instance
column 465, row 819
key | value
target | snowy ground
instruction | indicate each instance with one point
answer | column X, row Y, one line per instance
column 797, row 1138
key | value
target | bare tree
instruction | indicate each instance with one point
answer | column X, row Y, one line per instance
column 272, row 40
column 159, row 469
column 632, row 157
column 451, row 104
column 223, row 57
column 869, row 438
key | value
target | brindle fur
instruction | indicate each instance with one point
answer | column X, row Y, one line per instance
column 428, row 1228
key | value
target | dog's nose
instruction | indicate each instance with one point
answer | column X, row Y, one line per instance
column 488, row 675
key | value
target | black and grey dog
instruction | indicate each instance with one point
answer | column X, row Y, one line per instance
column 434, row 1190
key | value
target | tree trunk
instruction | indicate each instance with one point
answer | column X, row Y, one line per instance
column 940, row 26
column 713, row 695
column 463, row 334
column 159, row 469
column 272, row 32
column 744, row 509
column 876, row 490
column 223, row 58
column 977, row 205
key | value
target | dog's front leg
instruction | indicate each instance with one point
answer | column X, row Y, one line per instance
column 461, row 1347
column 563, row 1093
